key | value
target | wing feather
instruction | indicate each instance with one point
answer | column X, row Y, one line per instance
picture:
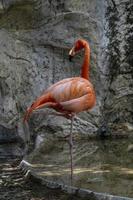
column 70, row 89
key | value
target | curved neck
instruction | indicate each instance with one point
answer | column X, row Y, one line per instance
column 85, row 70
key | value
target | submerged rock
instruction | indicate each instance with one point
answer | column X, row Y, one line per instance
column 130, row 148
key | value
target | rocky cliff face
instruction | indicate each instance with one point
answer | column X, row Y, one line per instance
column 118, row 98
column 35, row 38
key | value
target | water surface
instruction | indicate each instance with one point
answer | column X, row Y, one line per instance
column 101, row 166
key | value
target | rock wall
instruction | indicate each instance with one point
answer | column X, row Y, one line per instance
column 35, row 38
column 118, row 96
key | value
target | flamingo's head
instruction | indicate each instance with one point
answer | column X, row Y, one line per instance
column 79, row 44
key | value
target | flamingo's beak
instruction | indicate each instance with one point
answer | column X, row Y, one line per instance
column 70, row 58
column 71, row 54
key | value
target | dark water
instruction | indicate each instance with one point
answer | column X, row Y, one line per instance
column 101, row 166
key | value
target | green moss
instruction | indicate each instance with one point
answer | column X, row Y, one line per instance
column 19, row 16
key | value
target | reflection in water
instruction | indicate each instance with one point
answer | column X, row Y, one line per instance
column 102, row 166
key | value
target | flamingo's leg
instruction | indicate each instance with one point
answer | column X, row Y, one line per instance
column 71, row 147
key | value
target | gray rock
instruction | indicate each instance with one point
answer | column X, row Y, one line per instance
column 11, row 144
column 35, row 39
column 118, row 96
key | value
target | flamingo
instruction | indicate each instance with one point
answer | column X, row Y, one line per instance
column 71, row 95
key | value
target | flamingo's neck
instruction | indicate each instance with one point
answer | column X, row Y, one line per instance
column 85, row 70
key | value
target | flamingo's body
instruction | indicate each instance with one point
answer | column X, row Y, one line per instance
column 71, row 95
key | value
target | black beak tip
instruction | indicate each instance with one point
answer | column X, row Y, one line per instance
column 70, row 58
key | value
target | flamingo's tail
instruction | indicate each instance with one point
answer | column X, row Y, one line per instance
column 40, row 102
